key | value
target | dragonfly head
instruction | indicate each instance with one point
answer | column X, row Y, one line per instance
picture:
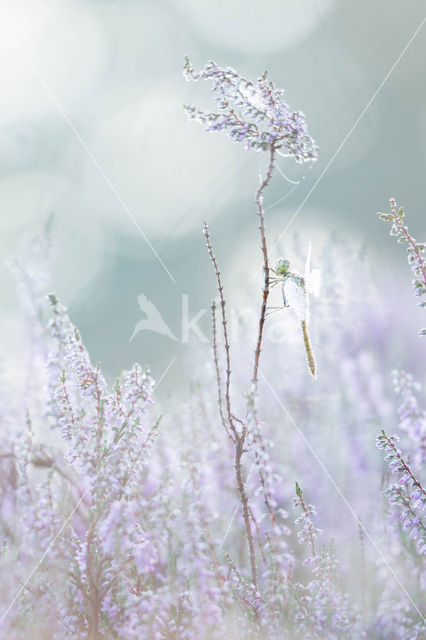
column 282, row 266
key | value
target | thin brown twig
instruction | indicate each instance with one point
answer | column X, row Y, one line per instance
column 259, row 540
column 225, row 332
column 238, row 437
column 261, row 214
column 245, row 506
column 216, row 363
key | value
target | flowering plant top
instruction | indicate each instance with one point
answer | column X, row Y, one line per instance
column 415, row 250
column 254, row 113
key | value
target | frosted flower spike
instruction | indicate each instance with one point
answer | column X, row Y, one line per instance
column 254, row 113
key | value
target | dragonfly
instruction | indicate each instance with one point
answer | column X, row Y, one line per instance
column 295, row 292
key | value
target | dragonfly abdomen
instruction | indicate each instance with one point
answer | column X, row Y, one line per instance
column 309, row 353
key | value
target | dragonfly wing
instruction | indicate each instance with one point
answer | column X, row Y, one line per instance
column 294, row 293
column 285, row 303
column 312, row 276
column 313, row 282
column 308, row 260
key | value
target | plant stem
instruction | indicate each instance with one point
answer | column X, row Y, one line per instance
column 216, row 363
column 308, row 522
column 403, row 464
column 261, row 214
column 244, row 503
column 225, row 332
column 238, row 435
column 413, row 244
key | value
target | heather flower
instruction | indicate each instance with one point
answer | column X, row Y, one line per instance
column 308, row 532
column 178, row 528
column 412, row 417
column 254, row 113
column 408, row 495
column 321, row 610
column 415, row 250
column 394, row 620
column 157, row 515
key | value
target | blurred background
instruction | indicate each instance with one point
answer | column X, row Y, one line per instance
column 95, row 148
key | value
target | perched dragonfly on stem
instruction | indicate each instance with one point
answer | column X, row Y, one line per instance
column 295, row 290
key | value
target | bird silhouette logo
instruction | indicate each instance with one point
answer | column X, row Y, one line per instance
column 153, row 320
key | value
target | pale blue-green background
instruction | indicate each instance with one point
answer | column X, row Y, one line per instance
column 114, row 69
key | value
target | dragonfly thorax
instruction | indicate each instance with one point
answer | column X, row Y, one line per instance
column 282, row 267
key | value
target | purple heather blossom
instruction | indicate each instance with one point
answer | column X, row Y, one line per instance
column 415, row 250
column 412, row 417
column 407, row 494
column 158, row 498
column 254, row 113
column 141, row 516
column 322, row 611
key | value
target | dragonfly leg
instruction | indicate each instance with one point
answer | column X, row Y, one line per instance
column 272, row 310
column 273, row 282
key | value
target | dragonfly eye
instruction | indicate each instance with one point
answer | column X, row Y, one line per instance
column 282, row 266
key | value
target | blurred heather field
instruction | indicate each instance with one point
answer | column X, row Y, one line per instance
column 213, row 489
